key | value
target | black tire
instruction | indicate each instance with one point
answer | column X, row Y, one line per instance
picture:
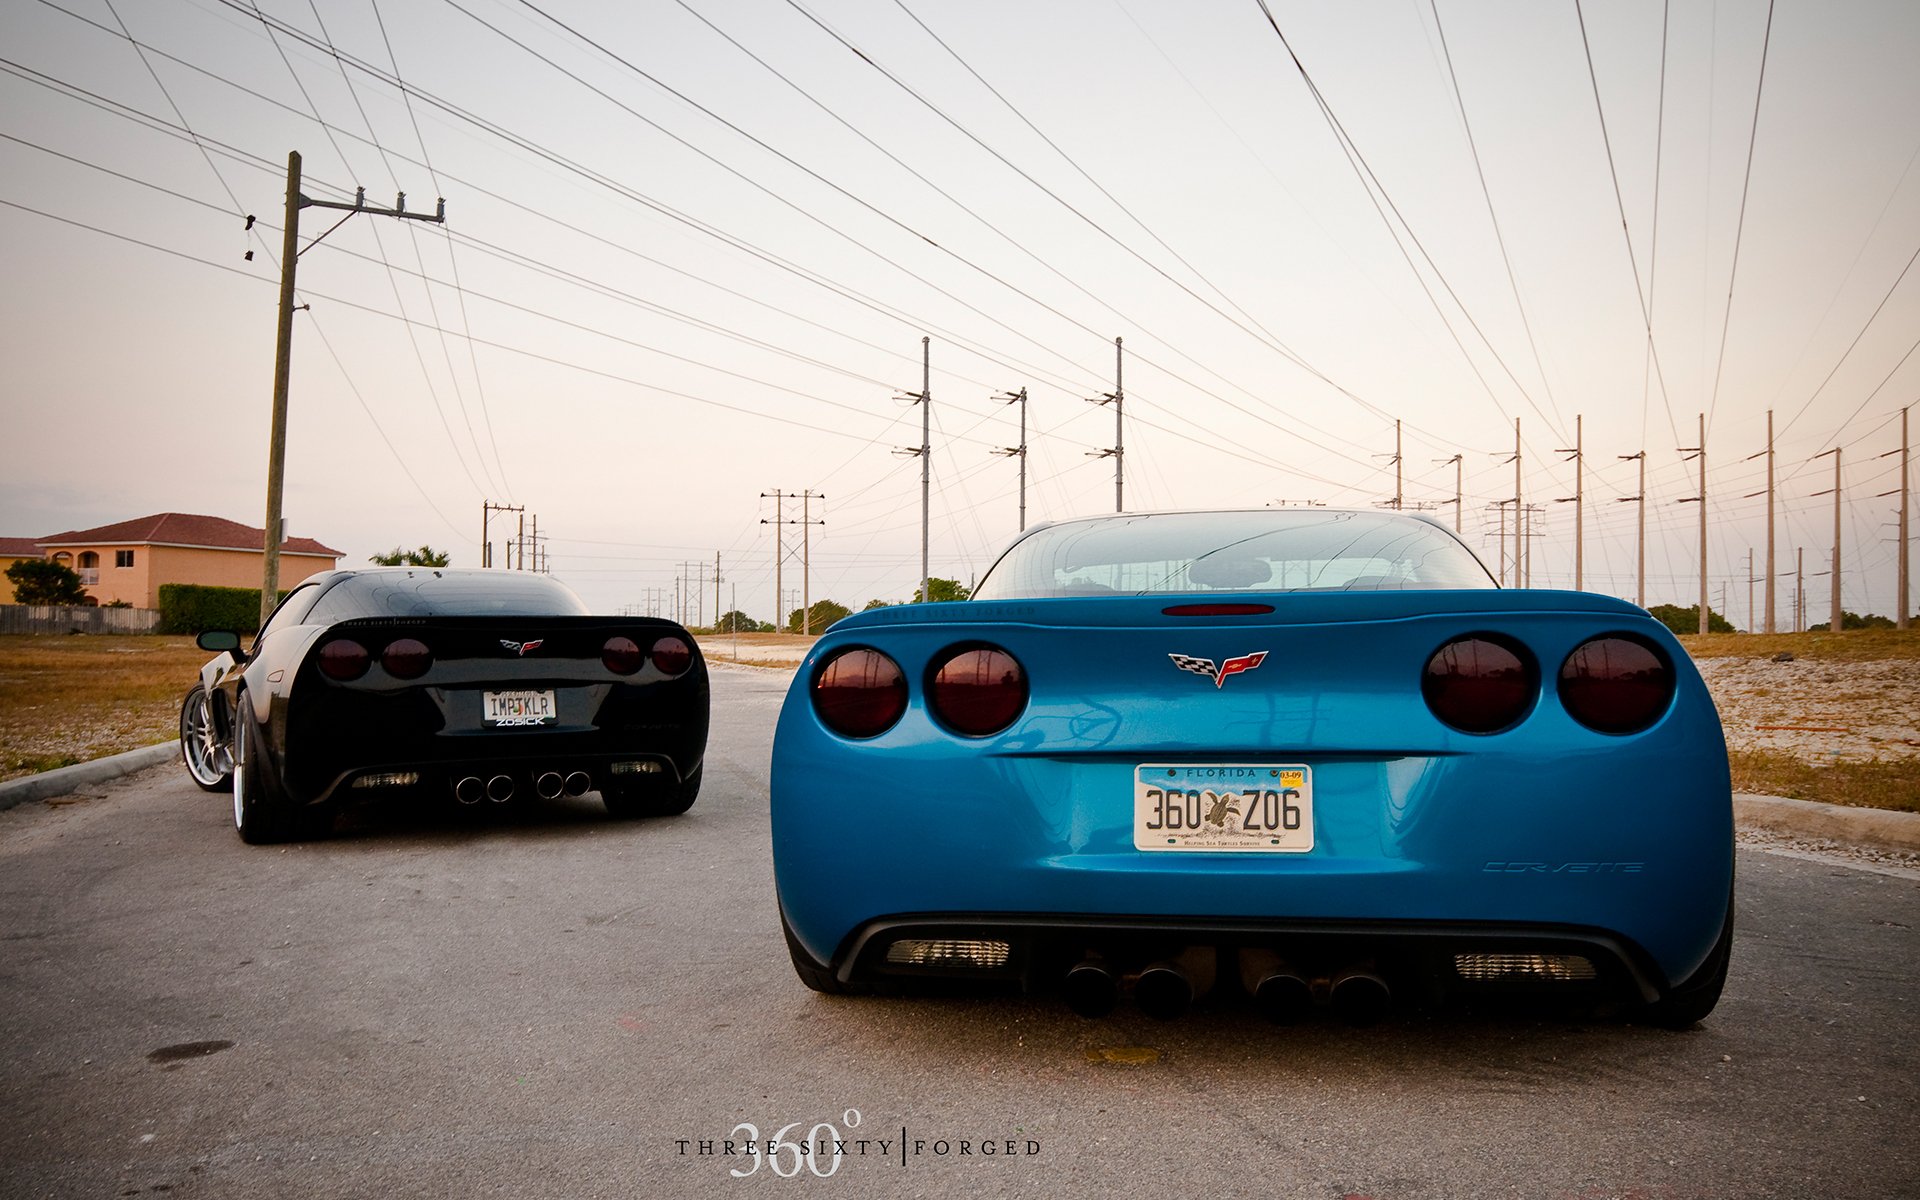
column 814, row 974
column 208, row 757
column 626, row 801
column 1689, row 1003
column 263, row 812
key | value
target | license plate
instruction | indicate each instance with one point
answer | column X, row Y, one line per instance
column 504, row 709
column 1223, row 806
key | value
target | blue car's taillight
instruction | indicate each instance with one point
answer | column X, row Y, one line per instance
column 1616, row 684
column 1481, row 683
column 860, row 693
column 977, row 691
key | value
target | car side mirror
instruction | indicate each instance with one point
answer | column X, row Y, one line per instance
column 217, row 640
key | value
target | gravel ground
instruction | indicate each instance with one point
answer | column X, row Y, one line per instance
column 1884, row 862
column 1818, row 710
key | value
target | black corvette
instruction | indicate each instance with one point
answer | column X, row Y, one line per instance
column 487, row 686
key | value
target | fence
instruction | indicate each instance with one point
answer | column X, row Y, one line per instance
column 51, row 618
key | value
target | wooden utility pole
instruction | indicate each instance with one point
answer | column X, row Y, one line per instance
column 1769, row 592
column 716, row 590
column 290, row 251
column 1799, row 589
column 924, row 451
column 487, row 509
column 1750, row 613
column 1579, row 505
column 1020, row 451
column 1900, row 601
column 1118, row 451
column 1699, row 454
column 1399, row 490
column 1518, row 521
column 1836, row 624
column 1458, row 490
column 779, row 556
column 1640, row 543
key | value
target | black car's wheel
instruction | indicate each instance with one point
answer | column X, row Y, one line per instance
column 814, row 974
column 208, row 758
column 651, row 798
column 1688, row 1004
column 263, row 812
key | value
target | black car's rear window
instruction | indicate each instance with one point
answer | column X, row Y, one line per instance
column 1265, row 550
column 425, row 592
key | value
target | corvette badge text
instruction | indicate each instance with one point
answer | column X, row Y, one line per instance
column 822, row 1148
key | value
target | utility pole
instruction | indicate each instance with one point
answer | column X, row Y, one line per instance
column 1750, row 625
column 1799, row 589
column 1835, row 624
column 1640, row 553
column 1700, row 453
column 1502, row 543
column 520, row 543
column 1019, row 451
column 716, row 588
column 805, row 522
column 536, row 542
column 924, row 451
column 1516, row 502
column 290, row 252
column 1900, row 601
column 779, row 556
column 1117, row 452
column 1458, row 490
column 1769, row 592
column 487, row 509
column 1579, row 506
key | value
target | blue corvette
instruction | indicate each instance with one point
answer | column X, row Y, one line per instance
column 1316, row 755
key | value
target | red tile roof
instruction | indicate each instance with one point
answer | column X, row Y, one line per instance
column 182, row 529
column 19, row 548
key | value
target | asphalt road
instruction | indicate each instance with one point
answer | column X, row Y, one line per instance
column 563, row 1006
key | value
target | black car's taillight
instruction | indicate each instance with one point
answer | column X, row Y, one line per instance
column 672, row 655
column 1616, row 684
column 344, row 659
column 1481, row 683
column 860, row 693
column 622, row 655
column 977, row 691
column 406, row 658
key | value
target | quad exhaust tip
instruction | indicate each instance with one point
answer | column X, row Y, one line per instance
column 500, row 789
column 1092, row 990
column 579, row 783
column 469, row 790
column 1283, row 995
column 1360, row 997
column 1163, row 991
column 547, row 785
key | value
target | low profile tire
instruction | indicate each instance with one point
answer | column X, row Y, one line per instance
column 626, row 801
column 209, row 760
column 815, row 975
column 1688, row 1004
column 263, row 813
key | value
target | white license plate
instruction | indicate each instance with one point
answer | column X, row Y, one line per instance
column 1223, row 806
column 504, row 709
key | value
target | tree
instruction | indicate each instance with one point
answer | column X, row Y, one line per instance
column 1853, row 620
column 873, row 604
column 1687, row 620
column 823, row 613
column 43, row 581
column 425, row 556
column 942, row 589
column 736, row 622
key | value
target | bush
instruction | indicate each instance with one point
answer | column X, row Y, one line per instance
column 43, row 581
column 193, row 608
column 1687, row 620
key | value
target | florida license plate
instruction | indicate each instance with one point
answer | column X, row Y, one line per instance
column 1223, row 806
column 506, row 709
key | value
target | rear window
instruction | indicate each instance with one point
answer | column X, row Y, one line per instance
column 425, row 592
column 1266, row 550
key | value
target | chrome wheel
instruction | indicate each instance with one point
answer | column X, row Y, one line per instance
column 208, row 759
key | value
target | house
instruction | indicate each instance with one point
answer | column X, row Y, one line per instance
column 12, row 550
column 129, row 561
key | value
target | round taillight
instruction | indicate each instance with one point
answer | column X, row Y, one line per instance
column 1616, row 684
column 407, row 658
column 978, row 691
column 672, row 655
column 860, row 693
column 1481, row 683
column 344, row 659
column 622, row 655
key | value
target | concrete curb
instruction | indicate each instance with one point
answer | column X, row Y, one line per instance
column 1875, row 827
column 62, row 780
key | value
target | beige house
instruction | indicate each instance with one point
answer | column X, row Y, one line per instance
column 12, row 550
column 131, row 560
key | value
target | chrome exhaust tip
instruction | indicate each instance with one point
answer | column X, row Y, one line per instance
column 1092, row 990
column 579, row 783
column 469, row 790
column 1163, row 991
column 500, row 789
column 1282, row 994
column 1360, row 997
column 547, row 785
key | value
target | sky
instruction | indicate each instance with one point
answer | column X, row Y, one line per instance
column 693, row 251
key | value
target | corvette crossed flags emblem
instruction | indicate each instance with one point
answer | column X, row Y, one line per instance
column 1205, row 666
column 522, row 648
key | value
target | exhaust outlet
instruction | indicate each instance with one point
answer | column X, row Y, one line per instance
column 579, row 783
column 547, row 785
column 1092, row 990
column 469, row 790
column 500, row 789
column 1360, row 997
column 1282, row 994
column 1163, row 991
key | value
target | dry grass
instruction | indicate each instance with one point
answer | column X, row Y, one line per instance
column 1878, row 784
column 68, row 698
column 1855, row 645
